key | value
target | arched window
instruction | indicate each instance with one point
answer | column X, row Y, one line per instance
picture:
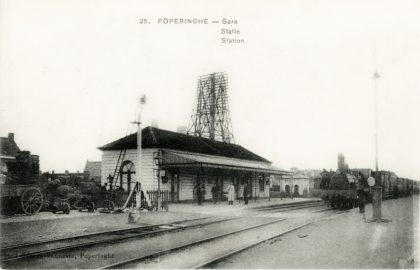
column 127, row 171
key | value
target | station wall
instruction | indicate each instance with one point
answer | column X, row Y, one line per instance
column 187, row 179
column 110, row 158
column 302, row 182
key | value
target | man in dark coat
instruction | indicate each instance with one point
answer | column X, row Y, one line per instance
column 215, row 192
column 362, row 201
column 246, row 192
column 200, row 194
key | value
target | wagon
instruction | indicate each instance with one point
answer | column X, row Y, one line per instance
column 21, row 198
column 90, row 202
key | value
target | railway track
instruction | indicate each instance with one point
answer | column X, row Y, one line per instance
column 212, row 261
column 290, row 206
column 207, row 264
column 130, row 262
column 202, row 259
column 9, row 254
column 13, row 256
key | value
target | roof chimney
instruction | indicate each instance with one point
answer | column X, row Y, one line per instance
column 11, row 137
column 181, row 129
column 155, row 123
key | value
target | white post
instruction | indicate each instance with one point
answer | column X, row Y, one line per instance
column 376, row 189
column 139, row 170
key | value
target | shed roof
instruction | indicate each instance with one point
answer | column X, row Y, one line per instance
column 178, row 159
column 93, row 168
column 160, row 138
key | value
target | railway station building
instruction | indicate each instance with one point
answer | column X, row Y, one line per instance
column 183, row 162
column 298, row 185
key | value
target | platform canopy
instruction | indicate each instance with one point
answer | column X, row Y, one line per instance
column 180, row 159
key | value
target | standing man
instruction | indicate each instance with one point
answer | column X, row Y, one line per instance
column 361, row 195
column 215, row 192
column 246, row 192
column 199, row 195
column 110, row 181
column 231, row 193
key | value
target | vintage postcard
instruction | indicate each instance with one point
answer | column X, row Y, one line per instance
column 209, row 134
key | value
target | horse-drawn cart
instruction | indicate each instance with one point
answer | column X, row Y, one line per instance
column 26, row 199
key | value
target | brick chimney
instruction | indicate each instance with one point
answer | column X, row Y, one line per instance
column 11, row 137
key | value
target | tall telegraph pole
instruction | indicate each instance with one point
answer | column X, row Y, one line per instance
column 138, row 197
column 376, row 189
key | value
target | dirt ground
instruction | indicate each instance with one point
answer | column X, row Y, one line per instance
column 344, row 242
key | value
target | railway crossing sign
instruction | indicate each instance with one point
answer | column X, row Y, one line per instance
column 371, row 181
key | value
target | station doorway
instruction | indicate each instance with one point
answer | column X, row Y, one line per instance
column 287, row 189
column 296, row 190
column 174, row 192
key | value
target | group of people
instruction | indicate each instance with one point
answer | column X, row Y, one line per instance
column 216, row 193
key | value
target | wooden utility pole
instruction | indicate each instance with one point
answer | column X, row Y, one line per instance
column 138, row 184
column 376, row 189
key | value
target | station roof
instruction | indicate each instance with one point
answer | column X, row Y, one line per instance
column 181, row 159
column 159, row 138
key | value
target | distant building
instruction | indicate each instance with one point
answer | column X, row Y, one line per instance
column 16, row 165
column 298, row 184
column 186, row 162
column 8, row 151
column 67, row 178
column 93, row 171
column 9, row 148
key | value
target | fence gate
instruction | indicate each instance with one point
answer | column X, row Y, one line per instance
column 153, row 198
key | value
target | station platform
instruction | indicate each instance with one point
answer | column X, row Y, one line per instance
column 238, row 207
column 346, row 241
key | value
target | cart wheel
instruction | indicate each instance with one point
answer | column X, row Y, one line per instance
column 91, row 207
column 78, row 205
column 108, row 205
column 31, row 201
column 66, row 208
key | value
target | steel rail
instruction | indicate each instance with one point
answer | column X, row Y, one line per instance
column 285, row 205
column 238, row 250
column 183, row 246
column 37, row 243
column 292, row 207
column 258, row 242
column 143, row 233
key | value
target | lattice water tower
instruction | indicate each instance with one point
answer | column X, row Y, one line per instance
column 211, row 116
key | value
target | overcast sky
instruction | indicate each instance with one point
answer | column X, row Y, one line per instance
column 300, row 87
